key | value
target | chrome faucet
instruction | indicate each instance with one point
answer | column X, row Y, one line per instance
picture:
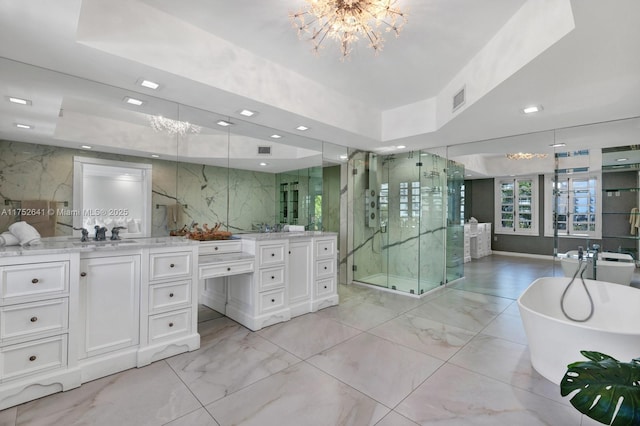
column 115, row 232
column 85, row 234
column 101, row 233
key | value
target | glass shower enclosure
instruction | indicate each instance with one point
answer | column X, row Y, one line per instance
column 408, row 232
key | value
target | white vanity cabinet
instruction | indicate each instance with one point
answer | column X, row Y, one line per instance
column 109, row 303
column 72, row 314
column 300, row 275
column 294, row 274
column 325, row 291
column 261, row 299
column 169, row 309
column 34, row 327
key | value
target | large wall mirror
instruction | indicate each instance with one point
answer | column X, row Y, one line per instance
column 585, row 180
column 206, row 168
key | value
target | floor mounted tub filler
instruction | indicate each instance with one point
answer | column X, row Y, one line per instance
column 556, row 341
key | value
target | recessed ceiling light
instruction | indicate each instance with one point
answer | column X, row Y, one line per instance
column 532, row 109
column 85, row 147
column 18, row 101
column 247, row 113
column 401, row 146
column 149, row 84
column 223, row 123
column 264, row 164
column 621, row 159
column 155, row 155
column 24, row 126
column 302, row 128
column 133, row 101
column 275, row 136
column 558, row 145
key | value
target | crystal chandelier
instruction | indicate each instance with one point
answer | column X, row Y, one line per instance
column 525, row 156
column 173, row 127
column 348, row 20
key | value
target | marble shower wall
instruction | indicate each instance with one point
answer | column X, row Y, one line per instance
column 42, row 172
column 366, row 251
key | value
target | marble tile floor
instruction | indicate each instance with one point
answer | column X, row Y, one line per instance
column 454, row 357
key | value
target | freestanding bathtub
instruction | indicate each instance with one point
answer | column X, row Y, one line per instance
column 555, row 341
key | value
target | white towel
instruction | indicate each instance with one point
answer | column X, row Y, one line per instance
column 27, row 234
column 8, row 239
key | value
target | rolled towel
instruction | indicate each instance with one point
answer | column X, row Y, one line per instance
column 8, row 239
column 27, row 234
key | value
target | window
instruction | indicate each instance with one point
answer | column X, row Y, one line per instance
column 573, row 205
column 409, row 199
column 516, row 206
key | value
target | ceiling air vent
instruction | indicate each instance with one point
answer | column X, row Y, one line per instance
column 458, row 99
column 264, row 150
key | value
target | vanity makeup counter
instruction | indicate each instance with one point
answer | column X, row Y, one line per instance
column 265, row 278
column 71, row 312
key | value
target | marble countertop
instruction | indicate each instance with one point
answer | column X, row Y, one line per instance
column 61, row 245
column 284, row 235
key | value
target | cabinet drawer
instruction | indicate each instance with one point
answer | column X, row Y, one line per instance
column 325, row 248
column 170, row 325
column 33, row 357
column 32, row 318
column 36, row 279
column 222, row 269
column 325, row 267
column 219, row 247
column 271, row 301
column 171, row 295
column 271, row 278
column 325, row 287
column 271, row 254
column 169, row 265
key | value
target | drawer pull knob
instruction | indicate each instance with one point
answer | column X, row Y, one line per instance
column 35, row 281
column 170, row 324
column 215, row 248
column 170, row 294
column 273, row 300
column 289, row 251
column 172, row 265
column 34, row 319
column 273, row 254
column 83, row 274
column 32, row 358
column 326, row 248
column 325, row 286
column 228, row 269
column 325, row 268
column 272, row 277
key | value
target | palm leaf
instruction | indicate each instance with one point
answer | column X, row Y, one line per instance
column 607, row 390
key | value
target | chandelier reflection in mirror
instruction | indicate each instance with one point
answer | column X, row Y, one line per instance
column 348, row 20
column 525, row 156
column 173, row 127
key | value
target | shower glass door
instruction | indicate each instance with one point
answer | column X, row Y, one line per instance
column 433, row 230
column 402, row 245
column 369, row 236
